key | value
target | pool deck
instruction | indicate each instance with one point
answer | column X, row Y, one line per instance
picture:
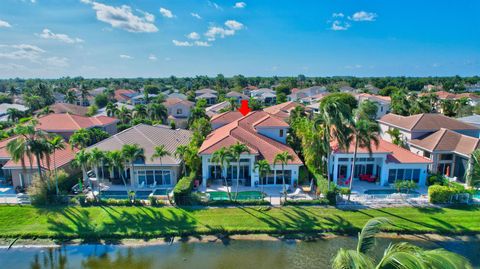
column 359, row 187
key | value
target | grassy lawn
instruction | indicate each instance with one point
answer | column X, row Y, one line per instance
column 140, row 222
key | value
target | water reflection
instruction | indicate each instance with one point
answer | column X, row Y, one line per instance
column 235, row 254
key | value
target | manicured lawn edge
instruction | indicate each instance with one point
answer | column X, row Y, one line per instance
column 66, row 223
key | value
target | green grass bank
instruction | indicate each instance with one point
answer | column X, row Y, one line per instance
column 149, row 222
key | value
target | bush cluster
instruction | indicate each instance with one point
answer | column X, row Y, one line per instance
column 439, row 194
column 321, row 201
column 183, row 190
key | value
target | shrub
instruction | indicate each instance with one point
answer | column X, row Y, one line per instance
column 345, row 191
column 322, row 184
column 183, row 189
column 437, row 179
column 438, row 194
column 332, row 196
column 40, row 194
column 405, row 185
column 154, row 201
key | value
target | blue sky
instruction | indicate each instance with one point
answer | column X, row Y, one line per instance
column 157, row 38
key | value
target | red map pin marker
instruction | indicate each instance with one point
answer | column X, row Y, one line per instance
column 244, row 109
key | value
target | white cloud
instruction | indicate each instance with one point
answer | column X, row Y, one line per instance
column 166, row 13
column 195, row 15
column 182, row 43
column 124, row 56
column 240, row 5
column 4, row 24
column 338, row 15
column 47, row 34
column 339, row 26
column 356, row 66
column 363, row 16
column 21, row 52
column 214, row 5
column 202, row 44
column 215, row 31
column 122, row 17
column 152, row 57
column 193, row 35
column 234, row 25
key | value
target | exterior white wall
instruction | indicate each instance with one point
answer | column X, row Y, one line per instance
column 184, row 113
column 274, row 133
column 406, row 136
column 423, row 171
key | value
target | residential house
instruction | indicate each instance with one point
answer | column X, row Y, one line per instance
column 371, row 89
column 382, row 102
column 437, row 137
column 224, row 118
column 282, row 111
column 21, row 176
column 209, row 97
column 177, row 95
column 205, row 91
column 384, row 165
column 247, row 90
column 216, row 109
column 103, row 111
column 124, row 95
column 178, row 111
column 265, row 137
column 149, row 173
column 4, row 110
column 66, row 124
column 473, row 120
column 60, row 108
column 140, row 99
column 347, row 89
column 237, row 96
column 307, row 92
column 266, row 96
column 313, row 99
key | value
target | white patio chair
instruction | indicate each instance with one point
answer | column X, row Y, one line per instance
column 297, row 192
column 141, row 185
column 154, row 184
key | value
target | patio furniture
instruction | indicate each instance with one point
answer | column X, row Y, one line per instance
column 297, row 192
column 141, row 185
column 308, row 188
column 154, row 184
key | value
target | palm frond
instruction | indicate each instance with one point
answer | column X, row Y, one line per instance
column 442, row 259
column 350, row 259
column 366, row 238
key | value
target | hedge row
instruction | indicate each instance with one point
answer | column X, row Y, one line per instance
column 322, row 201
column 183, row 189
column 439, row 194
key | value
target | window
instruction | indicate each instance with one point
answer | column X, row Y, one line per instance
column 179, row 111
column 446, row 157
column 343, row 159
column 427, row 154
column 403, row 174
column 281, row 133
column 148, row 177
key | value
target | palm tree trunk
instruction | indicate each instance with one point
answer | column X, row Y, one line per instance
column 226, row 183
column 39, row 167
column 55, row 171
column 352, row 174
column 283, row 182
column 238, row 177
column 103, row 174
column 328, row 170
column 123, row 179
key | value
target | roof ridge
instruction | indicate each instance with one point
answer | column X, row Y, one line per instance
column 74, row 121
column 141, row 133
column 419, row 119
column 441, row 137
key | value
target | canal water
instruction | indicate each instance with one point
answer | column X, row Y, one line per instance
column 231, row 254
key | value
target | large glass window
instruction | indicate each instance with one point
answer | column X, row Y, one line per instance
column 446, row 157
column 403, row 174
column 148, row 177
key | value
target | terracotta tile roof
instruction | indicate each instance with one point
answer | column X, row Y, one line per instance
column 226, row 117
column 448, row 95
column 213, row 110
column 147, row 137
column 173, row 101
column 447, row 140
column 395, row 153
column 71, row 123
column 373, row 97
column 3, row 147
column 270, row 121
column 69, row 108
column 425, row 122
column 123, row 95
column 282, row 110
column 469, row 95
column 62, row 158
column 242, row 130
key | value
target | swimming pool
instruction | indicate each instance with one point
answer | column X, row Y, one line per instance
column 142, row 195
column 388, row 192
column 160, row 192
column 242, row 196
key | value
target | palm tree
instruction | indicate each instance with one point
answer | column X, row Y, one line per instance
column 472, row 174
column 263, row 167
column 56, row 143
column 111, row 109
column 124, row 114
column 45, row 111
column 236, row 151
column 95, row 160
column 81, row 160
column 157, row 112
column 222, row 157
column 84, row 93
column 364, row 132
column 233, row 104
column 332, row 121
column 71, row 97
column 116, row 160
column 14, row 114
column 396, row 136
column 400, row 255
column 159, row 152
column 81, row 138
column 283, row 158
column 19, row 151
column 131, row 153
column 140, row 111
column 181, row 153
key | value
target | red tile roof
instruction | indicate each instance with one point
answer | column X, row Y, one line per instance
column 69, row 108
column 373, row 97
column 226, row 117
column 447, row 140
column 174, row 100
column 282, row 110
column 242, row 130
column 70, row 123
column 123, row 95
column 395, row 153
column 425, row 122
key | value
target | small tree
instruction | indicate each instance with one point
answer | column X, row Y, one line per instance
column 263, row 167
column 222, row 157
column 283, row 158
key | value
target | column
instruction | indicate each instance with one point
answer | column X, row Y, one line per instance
column 335, row 169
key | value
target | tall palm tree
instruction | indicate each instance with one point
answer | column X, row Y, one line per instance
column 81, row 160
column 19, row 152
column 45, row 111
column 364, row 132
column 14, row 114
column 222, row 157
column 472, row 174
column 71, row 97
column 159, row 152
column 140, row 111
column 236, row 151
column 131, row 153
column 84, row 93
column 157, row 111
column 283, row 158
column 111, row 109
column 263, row 167
column 400, row 255
column 233, row 104
column 124, row 114
column 396, row 136
column 56, row 143
column 181, row 153
column 116, row 160
column 95, row 160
